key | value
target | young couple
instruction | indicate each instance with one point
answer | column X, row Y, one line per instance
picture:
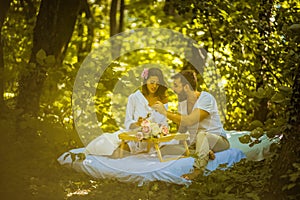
column 197, row 114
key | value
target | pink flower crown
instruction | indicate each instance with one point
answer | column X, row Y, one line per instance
column 145, row 73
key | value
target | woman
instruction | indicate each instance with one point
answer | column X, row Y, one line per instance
column 138, row 107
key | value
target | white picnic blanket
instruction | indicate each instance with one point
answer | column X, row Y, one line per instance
column 257, row 152
column 143, row 168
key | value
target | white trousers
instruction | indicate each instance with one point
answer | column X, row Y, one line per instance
column 206, row 142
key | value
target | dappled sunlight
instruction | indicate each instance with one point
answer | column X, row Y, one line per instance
column 79, row 192
column 247, row 56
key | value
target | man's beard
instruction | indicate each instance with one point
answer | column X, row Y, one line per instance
column 182, row 96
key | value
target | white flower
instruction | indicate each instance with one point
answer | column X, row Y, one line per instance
column 155, row 129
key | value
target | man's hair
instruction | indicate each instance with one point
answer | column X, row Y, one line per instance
column 187, row 77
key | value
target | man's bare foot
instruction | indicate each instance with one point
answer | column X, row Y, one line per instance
column 211, row 155
column 193, row 175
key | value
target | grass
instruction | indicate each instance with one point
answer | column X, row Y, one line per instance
column 30, row 170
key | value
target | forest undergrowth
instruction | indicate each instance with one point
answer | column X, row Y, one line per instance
column 29, row 170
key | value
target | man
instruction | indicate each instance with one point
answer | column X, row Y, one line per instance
column 198, row 113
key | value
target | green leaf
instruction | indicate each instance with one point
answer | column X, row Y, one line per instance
column 66, row 156
column 295, row 27
column 294, row 177
column 285, row 89
column 253, row 196
column 73, row 156
column 278, row 98
column 229, row 188
column 40, row 56
column 273, row 132
column 81, row 156
column 50, row 60
column 256, row 123
column 260, row 93
column 289, row 186
column 257, row 133
column 245, row 139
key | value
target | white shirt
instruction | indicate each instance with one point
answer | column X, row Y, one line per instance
column 138, row 106
column 212, row 123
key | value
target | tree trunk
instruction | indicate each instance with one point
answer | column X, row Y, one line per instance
column 3, row 11
column 84, row 47
column 121, row 19
column 264, row 22
column 115, row 27
column 53, row 30
column 31, row 9
column 290, row 151
column 169, row 8
column 113, row 17
column 261, row 112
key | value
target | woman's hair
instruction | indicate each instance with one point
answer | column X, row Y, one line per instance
column 161, row 91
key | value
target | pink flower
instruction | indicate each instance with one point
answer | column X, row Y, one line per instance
column 164, row 130
column 146, row 129
column 145, row 122
column 144, row 74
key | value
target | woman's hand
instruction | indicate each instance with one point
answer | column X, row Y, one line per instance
column 139, row 121
column 136, row 124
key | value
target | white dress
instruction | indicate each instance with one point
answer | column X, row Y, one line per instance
column 137, row 106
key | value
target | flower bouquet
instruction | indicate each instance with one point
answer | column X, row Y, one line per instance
column 151, row 130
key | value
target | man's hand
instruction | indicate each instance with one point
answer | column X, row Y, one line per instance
column 159, row 107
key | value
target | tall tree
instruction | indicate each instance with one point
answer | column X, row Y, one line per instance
column 3, row 10
column 169, row 7
column 85, row 46
column 264, row 24
column 116, row 27
column 285, row 164
column 53, row 30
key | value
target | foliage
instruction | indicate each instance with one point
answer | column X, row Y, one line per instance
column 250, row 53
column 256, row 52
column 236, row 56
column 43, row 178
column 259, row 56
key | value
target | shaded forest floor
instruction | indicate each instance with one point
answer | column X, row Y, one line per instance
column 29, row 170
